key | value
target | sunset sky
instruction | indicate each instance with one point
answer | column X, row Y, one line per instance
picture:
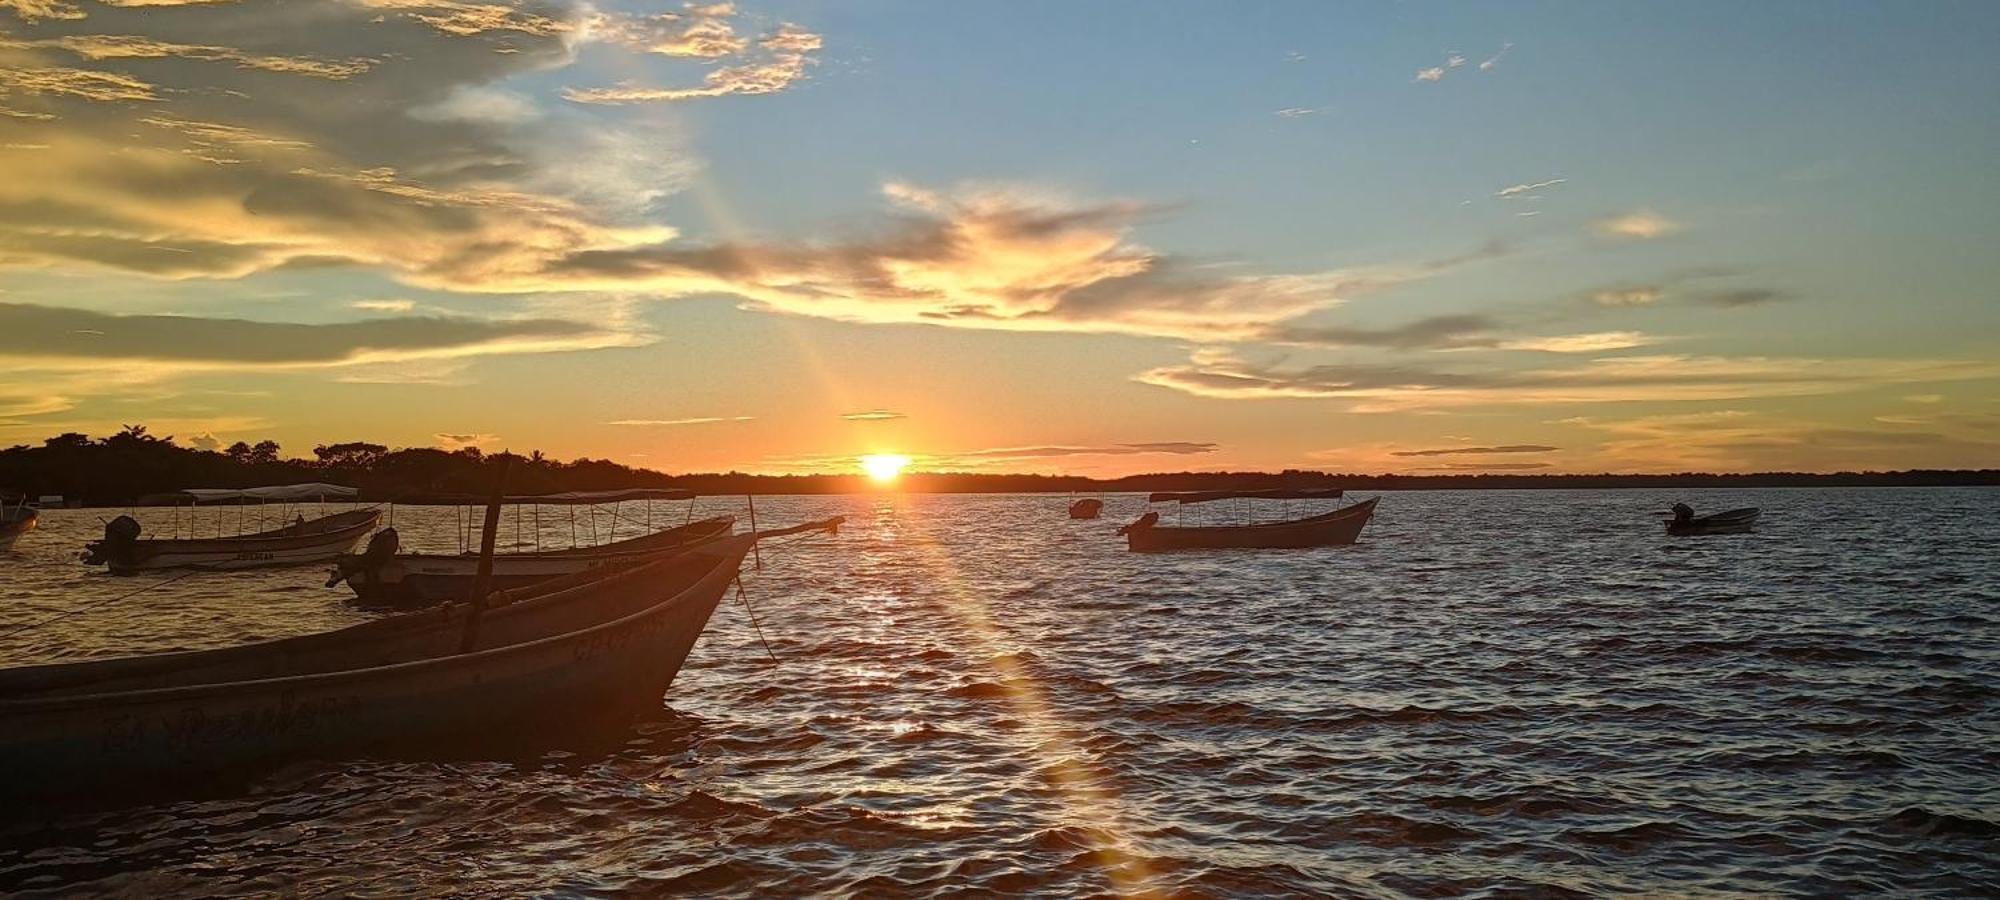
column 1096, row 238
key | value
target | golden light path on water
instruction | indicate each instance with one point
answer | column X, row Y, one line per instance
column 1088, row 791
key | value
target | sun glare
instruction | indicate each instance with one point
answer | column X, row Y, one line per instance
column 884, row 467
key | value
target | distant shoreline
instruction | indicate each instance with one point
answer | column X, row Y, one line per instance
column 889, row 492
column 965, row 483
column 125, row 468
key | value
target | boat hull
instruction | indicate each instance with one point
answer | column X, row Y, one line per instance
column 596, row 673
column 1086, row 509
column 321, row 541
column 414, row 580
column 14, row 524
column 1735, row 521
column 1337, row 528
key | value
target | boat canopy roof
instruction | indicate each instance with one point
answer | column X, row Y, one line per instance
column 565, row 498
column 1271, row 494
column 279, row 492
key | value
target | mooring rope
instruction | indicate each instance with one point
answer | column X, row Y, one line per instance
column 89, row 606
column 745, row 600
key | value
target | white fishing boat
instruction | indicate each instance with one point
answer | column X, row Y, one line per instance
column 1335, row 528
column 302, row 542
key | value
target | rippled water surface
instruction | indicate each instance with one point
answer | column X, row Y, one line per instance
column 1493, row 693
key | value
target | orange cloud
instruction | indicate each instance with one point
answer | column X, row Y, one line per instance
column 790, row 51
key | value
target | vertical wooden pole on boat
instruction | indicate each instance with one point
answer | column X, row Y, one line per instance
column 483, row 581
column 754, row 551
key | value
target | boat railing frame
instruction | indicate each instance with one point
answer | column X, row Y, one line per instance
column 1240, row 507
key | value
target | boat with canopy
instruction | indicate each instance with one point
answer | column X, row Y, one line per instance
column 584, row 648
column 1331, row 529
column 300, row 542
column 381, row 576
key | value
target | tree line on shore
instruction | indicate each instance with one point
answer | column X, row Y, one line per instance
column 132, row 465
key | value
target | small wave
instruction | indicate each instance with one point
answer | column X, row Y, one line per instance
column 979, row 690
column 1932, row 824
column 1631, row 838
column 1390, row 830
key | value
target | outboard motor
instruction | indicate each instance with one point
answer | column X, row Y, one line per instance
column 1145, row 521
column 381, row 549
column 121, row 536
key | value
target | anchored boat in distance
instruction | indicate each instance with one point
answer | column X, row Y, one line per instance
column 1686, row 524
column 1338, row 527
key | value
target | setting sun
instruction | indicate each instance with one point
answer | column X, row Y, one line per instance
column 884, row 467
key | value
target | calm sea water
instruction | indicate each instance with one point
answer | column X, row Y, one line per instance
column 1494, row 693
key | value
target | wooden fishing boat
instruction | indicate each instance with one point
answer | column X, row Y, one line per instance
column 16, row 519
column 592, row 647
column 1735, row 521
column 1339, row 527
column 303, row 542
column 381, row 577
column 1087, row 508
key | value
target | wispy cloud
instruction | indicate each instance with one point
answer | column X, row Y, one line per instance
column 982, row 257
column 1640, row 225
column 396, row 306
column 1174, row 448
column 1737, row 440
column 462, row 441
column 790, row 51
column 1625, row 379
column 693, row 420
column 1688, row 287
column 1435, row 332
column 1526, row 190
column 1628, row 296
column 34, row 10
column 1480, row 451
column 872, row 415
column 1490, row 466
column 701, row 32
column 110, row 46
column 1740, row 296
column 1595, row 342
column 1454, row 60
column 49, row 334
